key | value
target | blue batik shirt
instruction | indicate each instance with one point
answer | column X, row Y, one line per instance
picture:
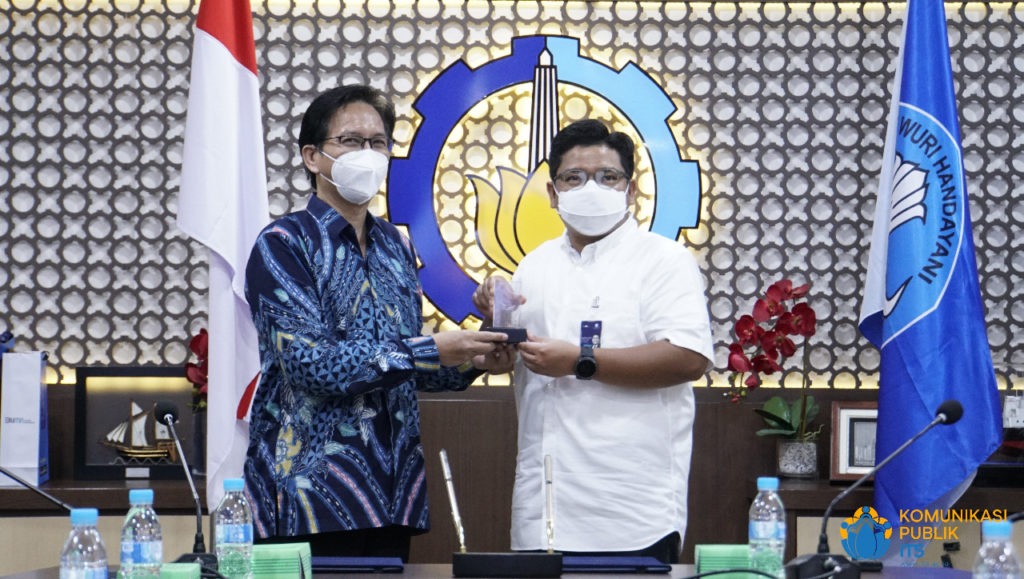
column 334, row 439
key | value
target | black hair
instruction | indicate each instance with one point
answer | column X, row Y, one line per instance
column 317, row 119
column 589, row 132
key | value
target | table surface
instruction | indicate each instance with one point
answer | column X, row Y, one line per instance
column 437, row 571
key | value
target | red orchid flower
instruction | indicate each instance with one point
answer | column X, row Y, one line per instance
column 764, row 364
column 770, row 306
column 783, row 290
column 738, row 361
column 804, row 320
column 197, row 373
column 776, row 342
column 765, row 337
column 747, row 331
column 200, row 344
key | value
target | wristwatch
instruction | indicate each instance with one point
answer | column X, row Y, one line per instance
column 586, row 364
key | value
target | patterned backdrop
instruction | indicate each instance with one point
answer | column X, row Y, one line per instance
column 783, row 106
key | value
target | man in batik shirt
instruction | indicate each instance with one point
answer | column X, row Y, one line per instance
column 334, row 450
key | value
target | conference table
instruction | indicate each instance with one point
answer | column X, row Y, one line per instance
column 440, row 571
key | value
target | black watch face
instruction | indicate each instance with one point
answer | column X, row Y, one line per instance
column 585, row 367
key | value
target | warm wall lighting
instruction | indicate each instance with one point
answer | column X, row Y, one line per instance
column 151, row 385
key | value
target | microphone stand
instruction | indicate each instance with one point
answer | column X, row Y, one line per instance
column 208, row 561
column 36, row 490
column 824, row 564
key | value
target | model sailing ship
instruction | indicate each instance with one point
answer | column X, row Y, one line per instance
column 142, row 437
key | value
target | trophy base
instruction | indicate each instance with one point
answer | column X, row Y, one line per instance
column 515, row 335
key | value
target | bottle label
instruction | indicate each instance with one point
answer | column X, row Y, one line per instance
column 767, row 530
column 141, row 552
column 84, row 573
column 234, row 533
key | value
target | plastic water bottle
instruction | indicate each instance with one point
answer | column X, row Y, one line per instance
column 142, row 550
column 767, row 530
column 84, row 556
column 233, row 528
column 996, row 559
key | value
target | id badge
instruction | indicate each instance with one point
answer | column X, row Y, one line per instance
column 590, row 333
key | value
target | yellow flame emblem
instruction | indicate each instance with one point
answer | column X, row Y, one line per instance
column 515, row 217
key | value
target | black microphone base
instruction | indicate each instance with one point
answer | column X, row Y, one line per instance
column 818, row 564
column 507, row 564
column 205, row 560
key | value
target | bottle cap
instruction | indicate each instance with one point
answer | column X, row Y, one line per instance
column 84, row 516
column 996, row 529
column 233, row 484
column 140, row 496
column 767, row 483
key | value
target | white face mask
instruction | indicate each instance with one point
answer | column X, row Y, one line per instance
column 592, row 210
column 358, row 175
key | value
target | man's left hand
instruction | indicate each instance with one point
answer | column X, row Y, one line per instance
column 500, row 361
column 549, row 357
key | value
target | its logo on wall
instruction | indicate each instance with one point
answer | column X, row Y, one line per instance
column 449, row 192
column 865, row 535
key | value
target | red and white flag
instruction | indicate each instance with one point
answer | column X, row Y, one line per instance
column 223, row 205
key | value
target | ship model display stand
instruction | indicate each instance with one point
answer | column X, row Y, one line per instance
column 117, row 435
column 142, row 438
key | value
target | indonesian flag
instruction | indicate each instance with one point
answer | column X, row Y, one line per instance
column 223, row 205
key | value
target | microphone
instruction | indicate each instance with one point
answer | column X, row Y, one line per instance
column 36, row 490
column 459, row 530
column 166, row 413
column 515, row 564
column 824, row 564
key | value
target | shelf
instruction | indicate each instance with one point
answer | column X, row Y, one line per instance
column 171, row 496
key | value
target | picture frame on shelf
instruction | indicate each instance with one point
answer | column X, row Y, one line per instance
column 854, row 426
column 1005, row 467
column 117, row 435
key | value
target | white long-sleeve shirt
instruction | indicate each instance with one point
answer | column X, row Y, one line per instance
column 621, row 456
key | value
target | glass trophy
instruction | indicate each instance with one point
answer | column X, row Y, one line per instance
column 505, row 303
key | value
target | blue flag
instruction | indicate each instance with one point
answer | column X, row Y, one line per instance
column 922, row 306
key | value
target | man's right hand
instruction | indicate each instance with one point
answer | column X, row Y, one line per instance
column 458, row 346
column 483, row 297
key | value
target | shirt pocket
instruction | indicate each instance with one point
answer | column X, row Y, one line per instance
column 620, row 321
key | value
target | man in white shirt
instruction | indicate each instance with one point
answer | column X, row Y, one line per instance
column 618, row 328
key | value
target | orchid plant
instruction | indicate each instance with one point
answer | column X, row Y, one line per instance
column 196, row 372
column 765, row 338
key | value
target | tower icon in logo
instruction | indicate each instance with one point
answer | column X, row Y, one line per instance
column 865, row 535
column 507, row 203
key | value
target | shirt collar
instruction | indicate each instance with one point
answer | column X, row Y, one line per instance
column 333, row 222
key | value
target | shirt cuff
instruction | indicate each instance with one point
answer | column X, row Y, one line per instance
column 424, row 354
column 470, row 372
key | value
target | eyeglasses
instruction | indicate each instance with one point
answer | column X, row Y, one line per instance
column 576, row 178
column 377, row 143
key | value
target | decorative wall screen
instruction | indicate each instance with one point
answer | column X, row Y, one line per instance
column 783, row 106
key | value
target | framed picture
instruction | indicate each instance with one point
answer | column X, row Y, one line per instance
column 117, row 433
column 853, row 439
column 1005, row 468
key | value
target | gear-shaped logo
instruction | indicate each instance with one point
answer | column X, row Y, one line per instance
column 511, row 216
